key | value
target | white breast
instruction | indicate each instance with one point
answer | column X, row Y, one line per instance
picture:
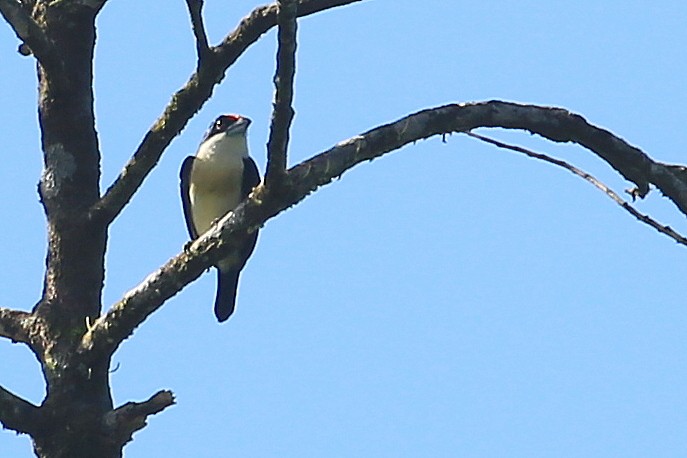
column 216, row 179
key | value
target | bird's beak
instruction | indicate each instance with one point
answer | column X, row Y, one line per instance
column 239, row 126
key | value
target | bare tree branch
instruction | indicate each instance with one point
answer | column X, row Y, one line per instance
column 19, row 18
column 553, row 123
column 667, row 230
column 188, row 100
column 131, row 417
column 13, row 325
column 95, row 5
column 18, row 414
column 282, row 113
column 195, row 10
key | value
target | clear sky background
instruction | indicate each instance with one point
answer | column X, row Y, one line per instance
column 449, row 299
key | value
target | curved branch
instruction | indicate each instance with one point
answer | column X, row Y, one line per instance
column 282, row 113
column 13, row 325
column 264, row 203
column 18, row 414
column 552, row 123
column 188, row 101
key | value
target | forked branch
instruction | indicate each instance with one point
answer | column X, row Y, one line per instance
column 188, row 100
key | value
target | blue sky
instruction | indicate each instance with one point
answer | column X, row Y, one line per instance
column 449, row 299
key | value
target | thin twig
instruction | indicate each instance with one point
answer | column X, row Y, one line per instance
column 195, row 9
column 667, row 230
column 282, row 112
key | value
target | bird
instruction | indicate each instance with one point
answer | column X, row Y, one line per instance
column 213, row 183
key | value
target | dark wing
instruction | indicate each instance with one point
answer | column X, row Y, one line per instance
column 185, row 176
column 251, row 177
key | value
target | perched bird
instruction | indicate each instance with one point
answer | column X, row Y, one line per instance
column 213, row 183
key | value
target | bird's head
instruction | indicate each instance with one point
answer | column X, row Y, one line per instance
column 229, row 125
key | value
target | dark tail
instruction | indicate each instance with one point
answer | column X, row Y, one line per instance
column 225, row 302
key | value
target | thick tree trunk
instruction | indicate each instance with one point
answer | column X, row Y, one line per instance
column 78, row 392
